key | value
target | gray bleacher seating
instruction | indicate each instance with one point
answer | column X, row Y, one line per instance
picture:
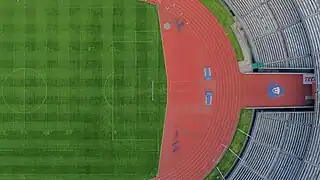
column 307, row 7
column 307, row 172
column 244, row 6
column 271, row 48
column 260, row 21
column 296, row 40
column 277, row 146
column 286, row 167
column 313, row 29
column 284, row 12
column 280, row 34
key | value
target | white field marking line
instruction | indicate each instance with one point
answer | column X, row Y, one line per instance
column 105, row 84
column 135, row 36
column 220, row 173
column 139, row 112
column 108, row 174
column 132, row 41
column 149, row 114
column 135, row 52
column 112, row 91
column 152, row 92
column 134, row 120
column 165, row 63
column 135, row 58
column 114, row 139
column 102, row 7
column 221, row 156
column 120, row 140
column 34, row 109
column 112, row 75
column 112, row 119
column 158, row 128
column 135, row 61
column 157, row 60
column 136, row 140
column 80, row 60
column 234, row 154
column 151, row 69
column 24, row 85
column 157, row 34
column 245, row 133
column 146, row 31
column 24, row 111
column 157, row 55
column 68, row 83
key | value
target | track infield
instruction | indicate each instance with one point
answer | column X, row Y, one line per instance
column 83, row 91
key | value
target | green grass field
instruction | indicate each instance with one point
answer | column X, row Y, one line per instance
column 225, row 18
column 77, row 100
column 238, row 142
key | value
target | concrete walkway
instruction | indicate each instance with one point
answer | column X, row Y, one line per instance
column 245, row 65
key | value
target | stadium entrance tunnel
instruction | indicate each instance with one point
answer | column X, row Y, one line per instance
column 278, row 90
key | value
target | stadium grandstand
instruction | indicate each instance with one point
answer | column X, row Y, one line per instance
column 282, row 34
column 284, row 139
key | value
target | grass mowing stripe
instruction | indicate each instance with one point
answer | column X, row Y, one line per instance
column 7, row 47
column 43, row 160
column 121, row 80
column 130, row 107
column 60, row 144
column 73, row 176
column 78, row 165
column 52, row 43
column 54, row 134
column 141, row 61
column 67, row 45
column 50, row 169
column 62, row 125
column 49, row 117
column 162, row 87
column 30, row 40
column 57, row 152
column 93, row 62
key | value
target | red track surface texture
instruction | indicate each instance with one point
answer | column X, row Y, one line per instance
column 199, row 132
column 196, row 135
column 294, row 90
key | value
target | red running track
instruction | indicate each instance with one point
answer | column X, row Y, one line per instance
column 196, row 135
column 295, row 92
